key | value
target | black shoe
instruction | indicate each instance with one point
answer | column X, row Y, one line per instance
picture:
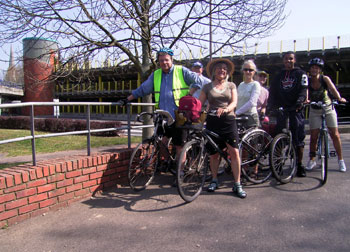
column 301, row 171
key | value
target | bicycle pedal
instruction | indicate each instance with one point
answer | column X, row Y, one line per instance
column 332, row 154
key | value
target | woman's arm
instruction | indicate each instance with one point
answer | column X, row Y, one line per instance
column 254, row 96
column 333, row 89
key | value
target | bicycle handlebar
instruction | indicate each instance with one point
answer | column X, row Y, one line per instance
column 170, row 120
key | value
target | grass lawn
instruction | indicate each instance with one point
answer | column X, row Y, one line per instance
column 53, row 144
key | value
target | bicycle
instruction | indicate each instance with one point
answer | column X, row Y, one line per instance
column 194, row 161
column 322, row 151
column 254, row 149
column 147, row 157
column 282, row 152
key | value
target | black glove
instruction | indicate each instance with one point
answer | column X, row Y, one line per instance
column 299, row 106
column 123, row 102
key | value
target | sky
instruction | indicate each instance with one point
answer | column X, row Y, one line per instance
column 306, row 19
column 314, row 18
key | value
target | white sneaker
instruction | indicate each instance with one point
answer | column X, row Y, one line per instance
column 310, row 165
column 342, row 166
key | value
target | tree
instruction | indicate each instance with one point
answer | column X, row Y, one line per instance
column 136, row 29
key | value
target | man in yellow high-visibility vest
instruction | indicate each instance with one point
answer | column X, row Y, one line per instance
column 169, row 83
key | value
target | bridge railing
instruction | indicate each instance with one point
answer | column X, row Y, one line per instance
column 88, row 131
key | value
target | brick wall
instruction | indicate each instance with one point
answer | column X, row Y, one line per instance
column 27, row 191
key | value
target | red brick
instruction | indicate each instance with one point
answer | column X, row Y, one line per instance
column 69, row 165
column 15, row 188
column 96, row 188
column 7, row 197
column 48, row 202
column 102, row 167
column 38, row 197
column 85, row 163
column 28, row 208
column 16, row 203
column 66, row 197
column 89, row 183
column 17, row 219
column 46, row 188
column 65, row 182
column 84, row 192
column 52, row 169
column 99, row 160
column 89, row 170
column 96, row 175
column 30, row 170
column 25, row 176
column 64, row 166
column 104, row 159
column 58, row 167
column 37, row 183
column 8, row 178
column 90, row 162
column 16, row 175
column 109, row 172
column 45, row 170
column 39, row 212
column 75, row 165
column 105, row 179
column 2, row 207
column 80, row 164
column 55, row 178
column 8, row 214
column 73, row 174
column 74, row 188
column 39, row 172
column 2, row 182
column 94, row 161
column 26, row 193
column 57, row 192
column 81, row 179
column 109, row 184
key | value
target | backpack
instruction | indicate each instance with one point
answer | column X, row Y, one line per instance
column 191, row 108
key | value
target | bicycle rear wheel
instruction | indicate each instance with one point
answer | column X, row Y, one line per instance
column 142, row 165
column 254, row 153
column 191, row 170
column 323, row 156
column 283, row 158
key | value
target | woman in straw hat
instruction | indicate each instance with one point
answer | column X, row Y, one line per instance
column 222, row 98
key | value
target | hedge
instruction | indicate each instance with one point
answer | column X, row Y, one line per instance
column 59, row 124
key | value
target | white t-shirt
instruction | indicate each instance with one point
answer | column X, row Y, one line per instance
column 248, row 94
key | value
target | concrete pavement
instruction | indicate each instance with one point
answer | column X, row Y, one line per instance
column 299, row 216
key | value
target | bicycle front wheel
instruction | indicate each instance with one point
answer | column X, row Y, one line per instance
column 254, row 153
column 283, row 158
column 191, row 170
column 323, row 156
column 142, row 165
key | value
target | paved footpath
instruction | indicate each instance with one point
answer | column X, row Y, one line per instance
column 299, row 216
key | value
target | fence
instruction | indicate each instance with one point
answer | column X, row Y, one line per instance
column 88, row 105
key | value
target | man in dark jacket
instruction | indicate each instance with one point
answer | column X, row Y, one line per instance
column 289, row 90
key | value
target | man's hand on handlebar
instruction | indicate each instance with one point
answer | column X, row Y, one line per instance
column 123, row 102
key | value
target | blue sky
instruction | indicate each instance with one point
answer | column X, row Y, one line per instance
column 307, row 19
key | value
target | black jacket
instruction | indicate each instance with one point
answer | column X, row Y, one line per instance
column 288, row 89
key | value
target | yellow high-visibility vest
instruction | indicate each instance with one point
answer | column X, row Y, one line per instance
column 180, row 88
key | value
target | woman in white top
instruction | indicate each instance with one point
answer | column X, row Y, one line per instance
column 248, row 94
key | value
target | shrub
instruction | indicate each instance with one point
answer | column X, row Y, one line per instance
column 58, row 124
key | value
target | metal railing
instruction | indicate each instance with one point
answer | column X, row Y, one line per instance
column 88, row 131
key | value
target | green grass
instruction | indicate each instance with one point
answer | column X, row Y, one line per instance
column 54, row 144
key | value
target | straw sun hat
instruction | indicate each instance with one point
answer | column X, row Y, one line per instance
column 212, row 63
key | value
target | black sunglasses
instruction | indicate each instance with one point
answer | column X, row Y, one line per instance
column 248, row 70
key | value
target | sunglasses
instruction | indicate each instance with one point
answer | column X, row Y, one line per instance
column 248, row 70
